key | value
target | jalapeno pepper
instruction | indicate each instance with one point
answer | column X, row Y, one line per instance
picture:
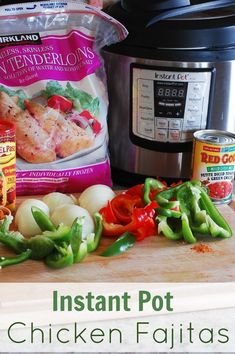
column 61, row 257
column 43, row 221
column 94, row 239
column 7, row 261
column 12, row 239
column 40, row 246
column 122, row 244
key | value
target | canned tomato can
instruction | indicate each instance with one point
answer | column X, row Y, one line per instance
column 213, row 163
column 7, row 164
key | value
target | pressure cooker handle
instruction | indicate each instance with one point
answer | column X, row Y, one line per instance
column 210, row 5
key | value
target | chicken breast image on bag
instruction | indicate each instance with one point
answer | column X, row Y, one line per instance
column 34, row 144
column 53, row 87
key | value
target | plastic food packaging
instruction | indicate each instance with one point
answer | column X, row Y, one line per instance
column 53, row 88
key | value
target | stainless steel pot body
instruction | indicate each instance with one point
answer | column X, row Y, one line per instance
column 131, row 157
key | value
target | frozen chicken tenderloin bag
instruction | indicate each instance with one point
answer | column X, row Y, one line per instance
column 52, row 87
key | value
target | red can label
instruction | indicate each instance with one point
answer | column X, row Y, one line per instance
column 214, row 166
column 7, row 169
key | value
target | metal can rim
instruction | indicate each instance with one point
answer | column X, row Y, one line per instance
column 225, row 133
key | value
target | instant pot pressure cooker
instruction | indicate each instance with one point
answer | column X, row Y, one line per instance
column 174, row 74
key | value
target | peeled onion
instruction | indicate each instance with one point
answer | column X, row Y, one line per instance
column 95, row 197
column 55, row 199
column 24, row 219
column 66, row 214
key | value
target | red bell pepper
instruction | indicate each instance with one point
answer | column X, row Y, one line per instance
column 122, row 206
column 142, row 223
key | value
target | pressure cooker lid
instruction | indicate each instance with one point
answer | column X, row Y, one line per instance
column 200, row 24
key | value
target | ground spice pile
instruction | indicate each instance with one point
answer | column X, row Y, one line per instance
column 202, row 248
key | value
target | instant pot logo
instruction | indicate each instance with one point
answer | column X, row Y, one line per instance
column 20, row 39
column 172, row 76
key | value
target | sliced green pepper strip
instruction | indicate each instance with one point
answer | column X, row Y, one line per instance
column 76, row 235
column 122, row 244
column 40, row 246
column 215, row 215
column 203, row 228
column 93, row 240
column 166, row 230
column 186, row 230
column 151, row 184
column 61, row 234
column 168, row 213
column 7, row 261
column 81, row 254
column 43, row 221
column 163, row 198
column 215, row 230
column 60, row 258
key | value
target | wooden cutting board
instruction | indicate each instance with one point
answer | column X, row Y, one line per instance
column 155, row 259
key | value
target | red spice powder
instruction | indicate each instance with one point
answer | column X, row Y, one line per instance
column 202, row 248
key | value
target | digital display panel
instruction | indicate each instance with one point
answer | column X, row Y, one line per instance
column 170, row 92
column 169, row 98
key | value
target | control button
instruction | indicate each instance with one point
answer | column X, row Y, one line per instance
column 146, row 129
column 193, row 108
column 145, row 85
column 197, row 87
column 161, row 135
column 170, row 104
column 178, row 104
column 162, row 123
column 145, row 114
column 175, row 124
column 174, row 135
column 160, row 103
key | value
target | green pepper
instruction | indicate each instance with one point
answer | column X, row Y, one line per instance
column 7, row 261
column 151, row 184
column 94, row 239
column 12, row 239
column 166, row 229
column 61, row 257
column 164, row 197
column 79, row 247
column 43, row 221
column 61, row 234
column 186, row 230
column 168, row 213
column 40, row 246
column 215, row 216
column 82, row 252
column 76, row 235
column 216, row 230
column 122, row 244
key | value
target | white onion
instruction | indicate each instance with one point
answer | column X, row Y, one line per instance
column 55, row 199
column 95, row 197
column 24, row 219
column 66, row 214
